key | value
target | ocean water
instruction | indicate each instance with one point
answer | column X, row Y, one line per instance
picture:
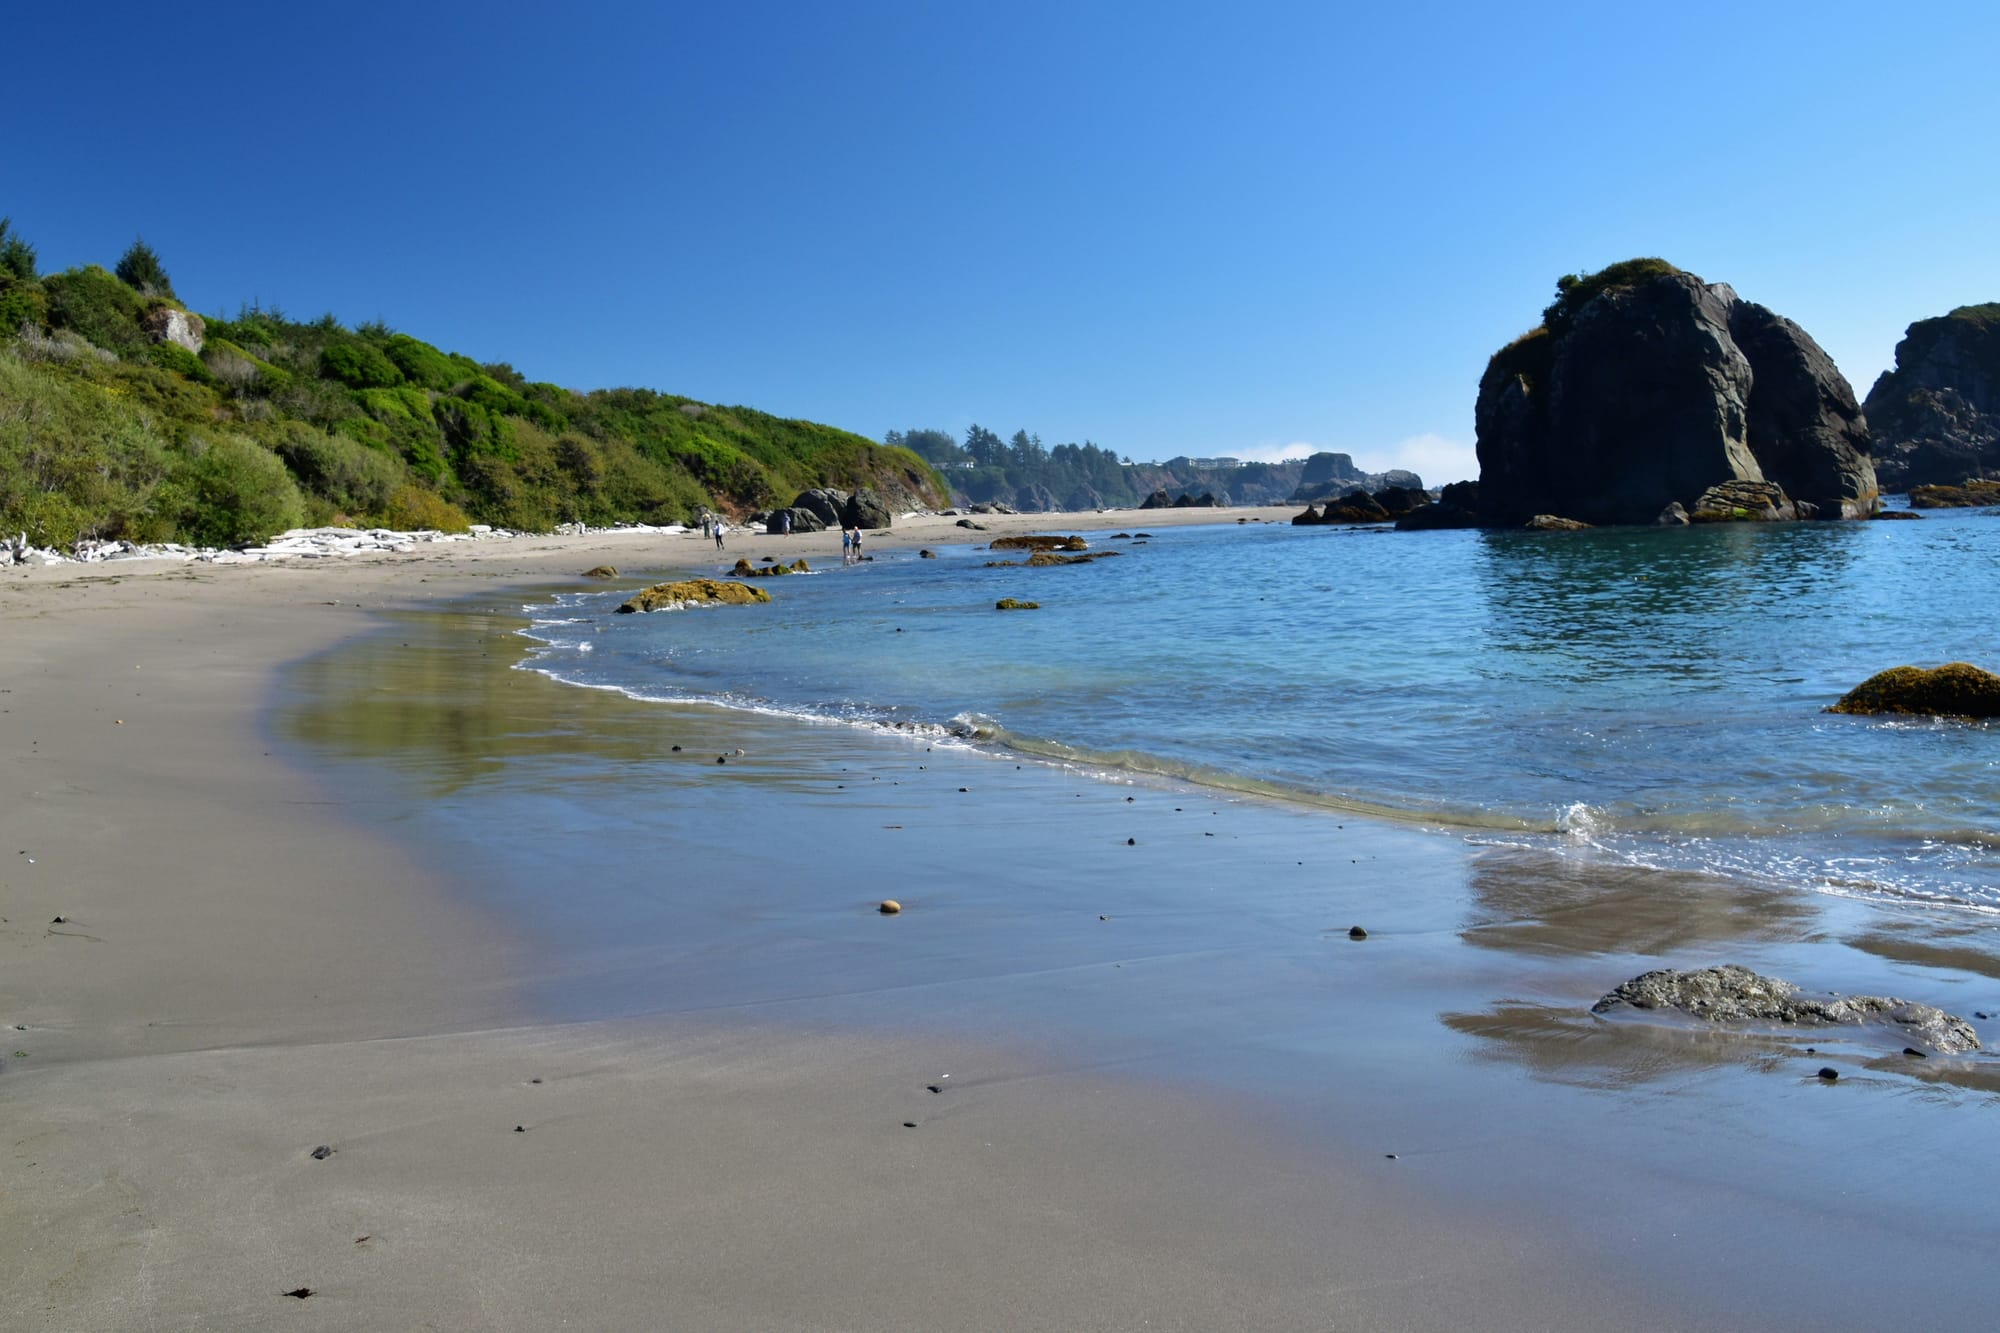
column 1651, row 696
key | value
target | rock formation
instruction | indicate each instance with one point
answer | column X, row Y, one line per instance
column 1974, row 494
column 1644, row 387
column 165, row 324
column 864, row 509
column 1936, row 416
column 1327, row 475
column 1731, row 994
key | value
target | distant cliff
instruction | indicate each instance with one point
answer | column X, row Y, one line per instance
column 1936, row 416
column 1644, row 387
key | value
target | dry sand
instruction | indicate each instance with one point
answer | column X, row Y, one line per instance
column 250, row 965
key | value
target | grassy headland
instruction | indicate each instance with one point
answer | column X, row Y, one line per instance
column 109, row 428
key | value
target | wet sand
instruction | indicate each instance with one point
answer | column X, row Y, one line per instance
column 1174, row 1088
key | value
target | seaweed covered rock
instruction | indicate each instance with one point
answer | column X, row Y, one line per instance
column 693, row 592
column 1744, row 502
column 1936, row 416
column 1038, row 543
column 745, row 570
column 1645, row 386
column 1736, row 995
column 1956, row 689
column 1015, row 604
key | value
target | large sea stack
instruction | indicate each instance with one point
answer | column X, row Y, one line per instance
column 1644, row 387
column 1936, row 416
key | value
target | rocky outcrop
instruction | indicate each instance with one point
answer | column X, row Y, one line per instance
column 1741, row 502
column 601, row 572
column 693, row 592
column 800, row 520
column 164, row 324
column 1555, row 523
column 864, row 509
column 1645, row 387
column 825, row 504
column 1457, row 506
column 1936, row 416
column 1157, row 500
column 1973, row 494
column 1736, row 995
column 1015, row 604
column 1956, row 689
column 1328, row 475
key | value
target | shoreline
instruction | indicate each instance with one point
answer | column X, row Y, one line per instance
column 1106, row 1190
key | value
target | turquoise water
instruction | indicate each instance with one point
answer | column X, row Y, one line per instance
column 1654, row 696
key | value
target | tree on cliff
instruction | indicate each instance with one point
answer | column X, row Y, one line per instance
column 17, row 257
column 141, row 270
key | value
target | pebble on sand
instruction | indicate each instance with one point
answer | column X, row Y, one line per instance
column 889, row 907
column 1356, row 933
column 321, row 1153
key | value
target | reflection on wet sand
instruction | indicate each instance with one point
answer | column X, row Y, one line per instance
column 1973, row 946
column 1535, row 901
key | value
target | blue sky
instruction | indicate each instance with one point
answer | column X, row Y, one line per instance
column 1250, row 229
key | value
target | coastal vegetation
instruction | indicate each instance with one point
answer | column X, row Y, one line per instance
column 125, row 416
column 1023, row 473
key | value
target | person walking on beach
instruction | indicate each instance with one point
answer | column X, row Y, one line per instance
column 857, row 542
column 718, row 534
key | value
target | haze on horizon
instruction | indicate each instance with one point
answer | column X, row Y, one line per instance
column 1256, row 231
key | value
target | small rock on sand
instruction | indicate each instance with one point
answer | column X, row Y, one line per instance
column 889, row 907
column 1356, row 933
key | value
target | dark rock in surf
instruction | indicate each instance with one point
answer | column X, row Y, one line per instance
column 1956, row 689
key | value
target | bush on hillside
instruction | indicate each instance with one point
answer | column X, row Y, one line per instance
column 1574, row 291
column 414, row 509
column 229, row 490
column 347, row 477
column 91, row 302
column 358, row 365
column 74, row 461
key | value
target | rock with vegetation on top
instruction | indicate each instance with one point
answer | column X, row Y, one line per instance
column 1936, row 416
column 694, row 592
column 1555, row 523
column 1974, row 494
column 601, row 572
column 1956, row 689
column 1013, row 604
column 1736, row 995
column 1038, row 543
column 1645, row 386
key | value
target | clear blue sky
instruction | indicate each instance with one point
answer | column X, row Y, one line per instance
column 1251, row 229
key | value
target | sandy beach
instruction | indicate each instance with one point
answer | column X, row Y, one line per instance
column 1043, row 1097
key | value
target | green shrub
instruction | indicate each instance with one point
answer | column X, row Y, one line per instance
column 230, row 490
column 424, row 364
column 75, row 460
column 358, row 365
column 174, row 357
column 91, row 302
column 22, row 302
column 1574, row 291
column 414, row 509
column 349, row 476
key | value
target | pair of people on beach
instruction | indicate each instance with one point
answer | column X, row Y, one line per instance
column 850, row 544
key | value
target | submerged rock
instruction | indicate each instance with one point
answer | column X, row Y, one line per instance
column 1732, row 994
column 1956, row 689
column 745, row 570
column 1555, row 523
column 1014, row 604
column 693, row 592
column 1039, row 543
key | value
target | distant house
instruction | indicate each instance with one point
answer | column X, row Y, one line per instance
column 1205, row 462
